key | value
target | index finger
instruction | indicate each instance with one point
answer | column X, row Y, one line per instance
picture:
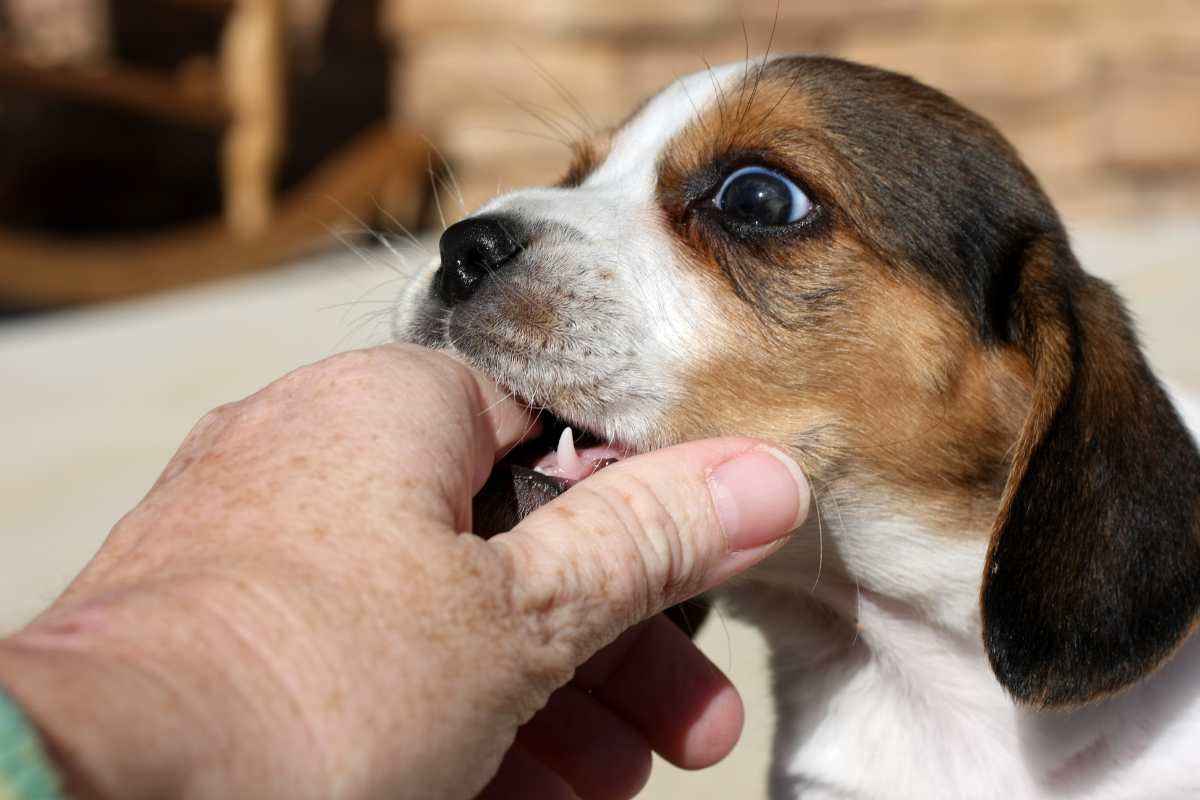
column 502, row 421
column 454, row 423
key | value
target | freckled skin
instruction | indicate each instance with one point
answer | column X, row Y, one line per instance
column 300, row 596
column 252, row 475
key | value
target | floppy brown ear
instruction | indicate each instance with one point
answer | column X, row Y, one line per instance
column 1092, row 576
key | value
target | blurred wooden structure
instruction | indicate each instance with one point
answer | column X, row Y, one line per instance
column 1100, row 97
column 240, row 93
column 252, row 75
column 40, row 270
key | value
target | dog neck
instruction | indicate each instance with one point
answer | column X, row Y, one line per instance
column 883, row 688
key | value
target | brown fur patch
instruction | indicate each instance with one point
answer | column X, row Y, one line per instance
column 859, row 361
column 587, row 155
column 897, row 391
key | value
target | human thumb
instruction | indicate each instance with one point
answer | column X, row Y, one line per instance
column 647, row 533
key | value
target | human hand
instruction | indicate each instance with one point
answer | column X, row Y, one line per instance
column 293, row 611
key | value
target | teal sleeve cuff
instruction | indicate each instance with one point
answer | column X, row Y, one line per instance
column 25, row 770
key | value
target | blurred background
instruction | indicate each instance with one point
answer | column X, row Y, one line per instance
column 150, row 143
column 199, row 195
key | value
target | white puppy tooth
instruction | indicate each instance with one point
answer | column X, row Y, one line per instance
column 568, row 459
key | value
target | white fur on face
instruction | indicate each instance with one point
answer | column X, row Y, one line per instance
column 630, row 317
column 631, row 166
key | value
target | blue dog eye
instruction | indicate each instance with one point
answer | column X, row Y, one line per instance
column 762, row 197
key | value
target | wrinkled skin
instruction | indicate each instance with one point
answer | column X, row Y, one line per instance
column 293, row 611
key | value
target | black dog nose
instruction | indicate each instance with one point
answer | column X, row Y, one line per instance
column 471, row 250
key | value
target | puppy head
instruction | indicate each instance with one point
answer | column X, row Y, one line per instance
column 842, row 260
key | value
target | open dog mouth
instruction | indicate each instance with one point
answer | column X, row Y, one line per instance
column 543, row 468
column 538, row 471
column 561, row 454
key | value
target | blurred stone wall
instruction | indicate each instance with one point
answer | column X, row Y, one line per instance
column 1101, row 96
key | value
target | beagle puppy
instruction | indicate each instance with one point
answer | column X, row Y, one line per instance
column 995, row 596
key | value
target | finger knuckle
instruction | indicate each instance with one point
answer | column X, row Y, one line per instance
column 352, row 366
column 624, row 555
column 542, row 602
column 214, row 421
column 332, row 385
column 654, row 530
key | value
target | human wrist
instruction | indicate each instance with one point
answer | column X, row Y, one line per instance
column 25, row 767
column 97, row 722
column 133, row 702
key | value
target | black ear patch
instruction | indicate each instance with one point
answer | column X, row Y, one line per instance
column 1093, row 575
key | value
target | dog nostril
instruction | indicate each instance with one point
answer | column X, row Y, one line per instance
column 471, row 250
